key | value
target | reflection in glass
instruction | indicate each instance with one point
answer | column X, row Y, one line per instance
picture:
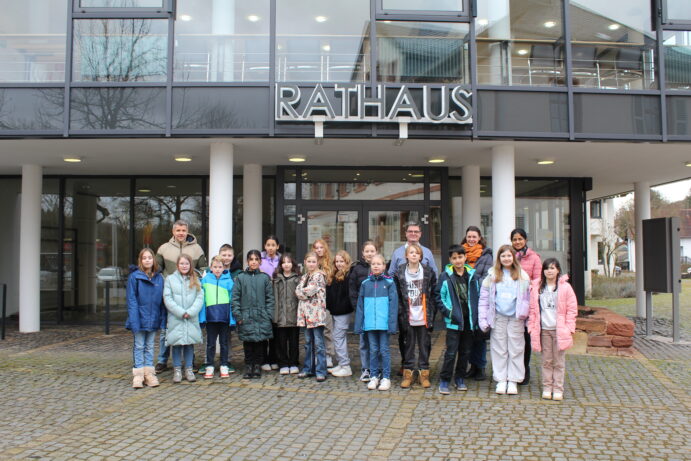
column 423, row 5
column 363, row 191
column 612, row 44
column 289, row 243
column 322, row 41
column 677, row 49
column 50, row 247
column 385, row 228
column 677, row 9
column 120, row 50
column 32, row 41
column 523, row 111
column 425, row 52
column 220, row 108
column 118, row 108
column 435, row 236
column 618, row 114
column 222, row 41
column 121, row 3
column 520, row 42
column 31, row 109
column 679, row 115
column 337, row 228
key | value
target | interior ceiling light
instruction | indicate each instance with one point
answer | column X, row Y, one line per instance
column 185, row 17
column 183, row 158
column 545, row 162
column 144, row 190
column 550, row 24
column 320, row 18
column 72, row 159
column 688, row 164
column 326, row 47
column 253, row 18
column 297, row 158
column 482, row 22
column 614, row 27
column 522, row 52
column 436, row 160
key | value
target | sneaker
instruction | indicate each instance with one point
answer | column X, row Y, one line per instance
column 329, row 362
column 161, row 367
column 547, row 394
column 177, row 375
column 231, row 369
column 460, row 385
column 266, row 367
column 284, row 371
column 444, row 388
column 341, row 372
column 202, row 369
column 209, row 373
column 274, row 366
column 332, row 370
column 189, row 375
column 501, row 387
column 512, row 389
column 225, row 373
column 365, row 377
column 320, row 378
column 557, row 396
column 303, row 375
column 385, row 384
column 294, row 370
column 373, row 384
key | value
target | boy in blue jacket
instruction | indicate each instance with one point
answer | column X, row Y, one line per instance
column 457, row 295
column 376, row 316
column 216, row 312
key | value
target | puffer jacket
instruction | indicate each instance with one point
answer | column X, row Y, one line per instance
column 253, row 305
column 180, row 299
column 450, row 304
column 567, row 311
column 358, row 273
column 269, row 265
column 235, row 268
column 286, row 310
column 338, row 297
column 217, row 293
column 311, row 291
column 167, row 254
column 145, row 308
column 377, row 305
column 483, row 264
column 488, row 293
column 429, row 282
column 530, row 262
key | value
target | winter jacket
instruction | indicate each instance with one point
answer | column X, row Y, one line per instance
column 530, row 262
column 217, row 294
column 488, row 293
column 269, row 265
column 145, row 309
column 429, row 282
column 311, row 291
column 235, row 269
column 168, row 254
column 449, row 303
column 483, row 264
column 286, row 310
column 398, row 258
column 377, row 305
column 358, row 273
column 567, row 311
column 180, row 299
column 338, row 297
column 253, row 305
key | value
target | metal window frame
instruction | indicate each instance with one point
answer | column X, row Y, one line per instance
column 166, row 9
column 382, row 13
column 670, row 23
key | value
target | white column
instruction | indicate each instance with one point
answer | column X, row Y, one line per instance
column 251, row 207
column 641, row 201
column 471, row 196
column 30, row 250
column 220, row 196
column 503, row 195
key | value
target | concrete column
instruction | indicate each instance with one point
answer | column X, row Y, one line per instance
column 503, row 195
column 251, row 208
column 471, row 196
column 30, row 249
column 641, row 202
column 220, row 196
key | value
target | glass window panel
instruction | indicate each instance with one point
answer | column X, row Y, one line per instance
column 32, row 37
column 423, row 5
column 677, row 49
column 385, row 228
column 679, row 116
column 121, row 3
column 677, row 9
column 435, row 227
column 337, row 228
column 120, row 50
column 118, row 109
column 222, row 41
column 220, row 108
column 10, row 208
column 322, row 41
column 523, row 111
column 520, row 42
column 31, row 109
column 289, row 229
column 616, row 114
column 50, row 247
column 612, row 44
column 422, row 52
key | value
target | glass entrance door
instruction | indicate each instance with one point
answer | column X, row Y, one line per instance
column 339, row 227
column 386, row 226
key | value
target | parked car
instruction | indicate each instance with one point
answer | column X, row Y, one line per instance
column 110, row 274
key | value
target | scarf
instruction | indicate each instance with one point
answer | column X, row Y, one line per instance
column 472, row 254
column 520, row 254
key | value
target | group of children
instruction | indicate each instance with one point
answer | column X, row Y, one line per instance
column 270, row 301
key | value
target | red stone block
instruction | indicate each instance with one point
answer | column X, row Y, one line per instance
column 622, row 341
column 591, row 325
column 619, row 326
column 600, row 341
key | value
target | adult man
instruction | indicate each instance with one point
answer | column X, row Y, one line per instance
column 166, row 257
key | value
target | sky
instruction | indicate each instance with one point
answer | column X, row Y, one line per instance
column 673, row 192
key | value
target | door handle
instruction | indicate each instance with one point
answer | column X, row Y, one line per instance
column 425, row 219
column 300, row 219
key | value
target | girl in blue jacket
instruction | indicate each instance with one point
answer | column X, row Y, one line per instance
column 376, row 316
column 145, row 315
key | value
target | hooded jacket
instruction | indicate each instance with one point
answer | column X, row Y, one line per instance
column 488, row 292
column 235, row 269
column 168, row 254
column 338, row 297
column 217, row 294
column 358, row 273
column 429, row 282
column 483, row 264
column 253, row 305
column 145, row 308
column 286, row 309
column 269, row 265
column 450, row 304
column 567, row 311
column 377, row 305
column 180, row 299
column 530, row 262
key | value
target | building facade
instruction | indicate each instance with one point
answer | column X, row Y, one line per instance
column 311, row 119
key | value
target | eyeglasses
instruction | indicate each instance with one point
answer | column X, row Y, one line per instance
column 413, row 232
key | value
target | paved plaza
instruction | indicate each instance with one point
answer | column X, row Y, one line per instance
column 66, row 395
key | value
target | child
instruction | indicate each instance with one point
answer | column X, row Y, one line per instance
column 325, row 263
column 218, row 286
column 457, row 297
column 286, row 280
column 145, row 316
column 253, row 307
column 358, row 274
column 415, row 282
column 376, row 316
column 230, row 264
column 504, row 305
column 552, row 323
column 184, row 298
column 311, row 291
column 339, row 306
column 270, row 258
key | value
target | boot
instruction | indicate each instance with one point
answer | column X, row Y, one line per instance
column 526, row 378
column 177, row 375
column 249, row 372
column 424, row 379
column 480, row 375
column 150, row 378
column 407, row 379
column 471, row 372
column 257, row 372
column 189, row 375
column 137, row 378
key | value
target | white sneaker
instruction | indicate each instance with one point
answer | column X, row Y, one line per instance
column 224, row 372
column 557, row 396
column 329, row 362
column 501, row 387
column 274, row 366
column 284, row 371
column 512, row 389
column 385, row 384
column 266, row 367
column 209, row 373
column 373, row 384
column 341, row 372
column 334, row 369
column 547, row 394
column 294, row 370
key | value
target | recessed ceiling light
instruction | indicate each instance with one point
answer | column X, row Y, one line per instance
column 185, row 17
column 171, row 186
column 688, row 164
column 72, row 159
column 436, row 160
column 550, row 24
column 297, row 158
column 253, row 18
column 545, row 162
column 326, row 47
column 144, row 190
column 320, row 18
column 416, row 175
column 522, row 52
column 482, row 22
column 183, row 158
column 614, row 27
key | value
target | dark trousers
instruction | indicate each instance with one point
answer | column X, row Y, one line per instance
column 286, row 340
column 526, row 352
column 419, row 336
column 458, row 344
column 478, row 352
column 402, row 338
column 254, row 352
column 270, row 348
column 220, row 331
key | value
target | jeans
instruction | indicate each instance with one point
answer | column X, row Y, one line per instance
column 458, row 345
column 220, row 331
column 187, row 351
column 143, row 350
column 254, row 352
column 340, row 334
column 478, row 352
column 507, row 343
column 364, row 351
column 416, row 335
column 287, row 341
column 315, row 352
column 379, row 354
column 163, row 351
column 328, row 335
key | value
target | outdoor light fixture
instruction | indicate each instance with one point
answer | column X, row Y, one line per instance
column 183, row 158
column 320, row 18
column 185, row 17
column 613, row 27
column 550, row 24
column 72, row 159
column 522, row 52
column 253, row 18
column 297, row 158
column 545, row 162
column 436, row 160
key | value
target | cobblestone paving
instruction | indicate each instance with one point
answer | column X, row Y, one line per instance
column 66, row 395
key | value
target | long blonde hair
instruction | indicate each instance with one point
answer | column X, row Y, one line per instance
column 499, row 268
column 337, row 274
column 154, row 268
column 325, row 262
column 194, row 280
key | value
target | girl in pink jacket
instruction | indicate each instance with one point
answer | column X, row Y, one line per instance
column 552, row 323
